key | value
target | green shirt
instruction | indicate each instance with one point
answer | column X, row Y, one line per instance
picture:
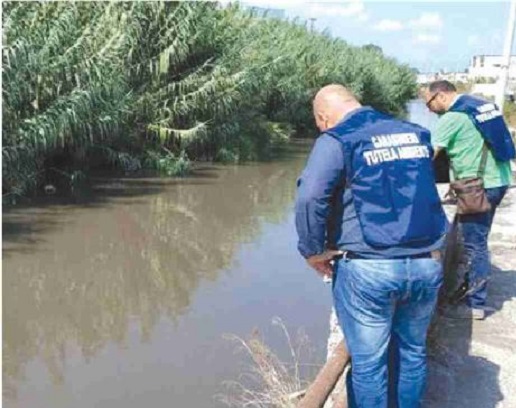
column 456, row 133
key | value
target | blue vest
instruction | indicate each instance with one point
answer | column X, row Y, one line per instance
column 489, row 122
column 388, row 165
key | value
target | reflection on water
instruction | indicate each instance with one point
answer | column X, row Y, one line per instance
column 80, row 275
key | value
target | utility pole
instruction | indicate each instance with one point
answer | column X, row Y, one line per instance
column 506, row 59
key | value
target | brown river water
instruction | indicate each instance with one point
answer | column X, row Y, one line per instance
column 126, row 298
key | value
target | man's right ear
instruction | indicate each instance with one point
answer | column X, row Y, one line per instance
column 321, row 121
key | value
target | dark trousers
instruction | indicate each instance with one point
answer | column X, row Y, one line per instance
column 475, row 230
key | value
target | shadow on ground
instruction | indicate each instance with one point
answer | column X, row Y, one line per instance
column 468, row 358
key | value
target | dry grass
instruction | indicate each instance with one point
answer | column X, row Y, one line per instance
column 270, row 382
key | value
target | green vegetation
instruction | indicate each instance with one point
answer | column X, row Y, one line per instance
column 147, row 84
column 464, row 87
column 509, row 113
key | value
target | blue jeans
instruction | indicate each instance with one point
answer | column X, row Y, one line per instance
column 378, row 301
column 475, row 230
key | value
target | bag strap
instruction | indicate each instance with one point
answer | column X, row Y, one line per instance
column 453, row 170
column 483, row 161
column 481, row 167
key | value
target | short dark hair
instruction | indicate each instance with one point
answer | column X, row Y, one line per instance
column 442, row 86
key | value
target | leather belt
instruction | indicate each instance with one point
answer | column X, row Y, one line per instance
column 434, row 255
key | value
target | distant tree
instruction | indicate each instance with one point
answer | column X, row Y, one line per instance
column 373, row 47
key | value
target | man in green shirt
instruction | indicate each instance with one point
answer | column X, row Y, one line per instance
column 457, row 134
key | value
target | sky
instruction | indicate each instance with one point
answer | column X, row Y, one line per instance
column 429, row 36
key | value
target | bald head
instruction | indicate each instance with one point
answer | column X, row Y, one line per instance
column 331, row 104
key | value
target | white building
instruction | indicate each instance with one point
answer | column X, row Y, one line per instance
column 456, row 77
column 489, row 66
column 485, row 90
column 453, row 77
column 423, row 79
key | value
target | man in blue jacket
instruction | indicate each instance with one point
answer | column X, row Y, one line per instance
column 367, row 201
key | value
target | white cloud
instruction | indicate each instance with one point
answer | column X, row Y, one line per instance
column 473, row 40
column 427, row 21
column 388, row 25
column 426, row 28
column 354, row 9
column 423, row 38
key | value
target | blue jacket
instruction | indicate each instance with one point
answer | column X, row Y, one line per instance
column 326, row 211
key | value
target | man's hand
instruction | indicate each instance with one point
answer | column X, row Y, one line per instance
column 449, row 197
column 321, row 262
